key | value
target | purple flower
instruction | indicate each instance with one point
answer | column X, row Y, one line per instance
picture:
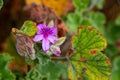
column 47, row 35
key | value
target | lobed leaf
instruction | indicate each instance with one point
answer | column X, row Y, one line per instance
column 73, row 22
column 116, row 69
column 33, row 74
column 88, row 39
column 29, row 28
column 99, row 3
column 5, row 73
column 91, row 67
column 51, row 70
column 81, row 5
column 87, row 62
column 40, row 55
column 97, row 20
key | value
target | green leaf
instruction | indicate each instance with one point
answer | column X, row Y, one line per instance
column 71, row 72
column 33, row 74
column 91, row 67
column 5, row 73
column 29, row 28
column 52, row 71
column 111, row 51
column 85, row 22
column 31, row 62
column 113, row 33
column 116, row 64
column 115, row 75
column 1, row 3
column 73, row 22
column 88, row 39
column 98, row 3
column 81, row 5
column 116, row 69
column 98, row 17
column 42, row 57
column 97, row 20
column 49, row 71
column 87, row 62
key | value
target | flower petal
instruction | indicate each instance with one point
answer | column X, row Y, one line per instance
column 45, row 44
column 40, row 26
column 54, row 30
column 55, row 50
column 52, row 39
column 38, row 38
column 57, row 53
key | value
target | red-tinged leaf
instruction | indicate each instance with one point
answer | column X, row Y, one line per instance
column 93, row 51
column 70, row 52
column 25, row 45
column 87, row 62
column 88, row 39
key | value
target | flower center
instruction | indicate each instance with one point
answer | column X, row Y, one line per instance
column 46, row 32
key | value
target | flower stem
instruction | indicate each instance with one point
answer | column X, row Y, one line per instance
column 60, row 58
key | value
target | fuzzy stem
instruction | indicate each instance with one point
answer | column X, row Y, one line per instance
column 60, row 58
